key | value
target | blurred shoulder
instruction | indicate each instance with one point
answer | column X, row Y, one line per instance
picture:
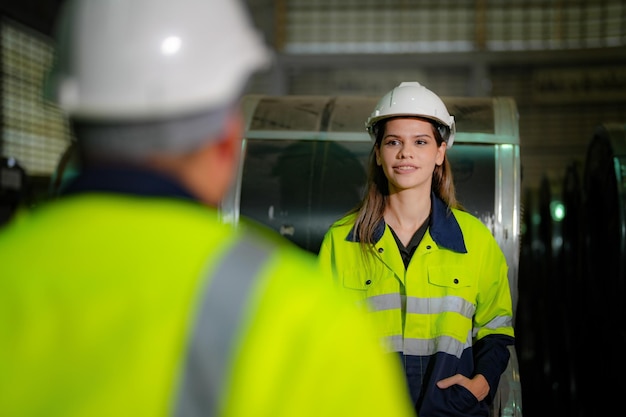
column 271, row 241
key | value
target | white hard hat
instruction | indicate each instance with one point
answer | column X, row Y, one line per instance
column 412, row 99
column 146, row 59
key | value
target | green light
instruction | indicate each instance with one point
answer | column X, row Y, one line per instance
column 557, row 210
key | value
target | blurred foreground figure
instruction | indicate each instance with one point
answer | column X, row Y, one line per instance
column 126, row 295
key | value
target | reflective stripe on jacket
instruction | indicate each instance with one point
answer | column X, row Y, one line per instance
column 454, row 293
column 103, row 307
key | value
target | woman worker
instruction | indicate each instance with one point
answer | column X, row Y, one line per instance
column 432, row 275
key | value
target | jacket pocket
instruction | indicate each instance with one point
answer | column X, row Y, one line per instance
column 458, row 281
column 357, row 280
column 451, row 277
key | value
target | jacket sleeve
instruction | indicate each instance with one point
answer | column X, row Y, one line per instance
column 491, row 355
column 493, row 321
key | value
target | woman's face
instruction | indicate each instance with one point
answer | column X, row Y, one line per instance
column 408, row 153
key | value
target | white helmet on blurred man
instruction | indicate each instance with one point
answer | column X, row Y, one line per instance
column 144, row 59
column 413, row 99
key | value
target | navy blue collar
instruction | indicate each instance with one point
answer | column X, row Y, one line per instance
column 126, row 180
column 444, row 229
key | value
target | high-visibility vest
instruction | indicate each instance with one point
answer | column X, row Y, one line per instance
column 454, row 293
column 439, row 294
column 129, row 306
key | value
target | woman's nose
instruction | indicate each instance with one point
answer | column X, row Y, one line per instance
column 404, row 153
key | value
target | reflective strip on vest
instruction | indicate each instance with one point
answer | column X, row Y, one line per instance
column 217, row 325
column 428, row 347
column 416, row 305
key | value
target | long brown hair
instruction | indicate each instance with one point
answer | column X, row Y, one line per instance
column 372, row 208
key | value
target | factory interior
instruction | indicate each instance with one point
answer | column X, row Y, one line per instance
column 549, row 75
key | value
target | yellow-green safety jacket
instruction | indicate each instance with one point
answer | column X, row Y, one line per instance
column 449, row 310
column 114, row 304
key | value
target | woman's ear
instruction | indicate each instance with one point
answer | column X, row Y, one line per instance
column 441, row 153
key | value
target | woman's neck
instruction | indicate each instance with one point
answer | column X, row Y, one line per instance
column 406, row 211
